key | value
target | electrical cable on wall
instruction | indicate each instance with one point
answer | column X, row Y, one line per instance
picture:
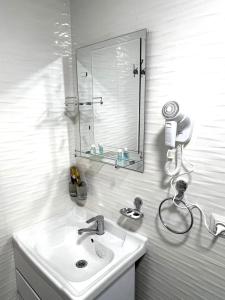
column 178, row 132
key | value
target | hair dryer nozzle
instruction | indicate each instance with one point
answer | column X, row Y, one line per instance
column 170, row 110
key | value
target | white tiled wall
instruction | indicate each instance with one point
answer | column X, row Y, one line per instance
column 34, row 156
column 186, row 62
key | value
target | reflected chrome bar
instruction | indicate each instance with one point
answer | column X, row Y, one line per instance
column 74, row 101
column 94, row 102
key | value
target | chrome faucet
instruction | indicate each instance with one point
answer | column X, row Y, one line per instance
column 99, row 226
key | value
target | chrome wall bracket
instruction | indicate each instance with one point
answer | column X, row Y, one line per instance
column 133, row 213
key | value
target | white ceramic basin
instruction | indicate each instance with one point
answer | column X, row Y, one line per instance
column 67, row 250
column 55, row 247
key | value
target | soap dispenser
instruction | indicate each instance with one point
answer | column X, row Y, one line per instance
column 75, row 175
column 77, row 187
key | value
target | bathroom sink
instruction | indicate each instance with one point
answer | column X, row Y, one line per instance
column 80, row 266
column 81, row 257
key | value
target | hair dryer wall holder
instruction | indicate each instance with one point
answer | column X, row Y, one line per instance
column 181, row 187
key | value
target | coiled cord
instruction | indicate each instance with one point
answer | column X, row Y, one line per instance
column 177, row 160
column 188, row 206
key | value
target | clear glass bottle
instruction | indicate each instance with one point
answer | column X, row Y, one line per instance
column 100, row 149
column 93, row 149
column 126, row 154
column 120, row 157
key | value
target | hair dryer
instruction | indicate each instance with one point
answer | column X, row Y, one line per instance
column 178, row 131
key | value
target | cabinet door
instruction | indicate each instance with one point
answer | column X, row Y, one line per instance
column 122, row 289
column 25, row 291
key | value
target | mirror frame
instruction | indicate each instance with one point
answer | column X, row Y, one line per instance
column 142, row 35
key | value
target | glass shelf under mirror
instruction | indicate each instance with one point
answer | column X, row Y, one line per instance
column 135, row 161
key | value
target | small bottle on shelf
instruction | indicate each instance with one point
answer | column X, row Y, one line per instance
column 100, row 149
column 93, row 149
column 126, row 154
column 120, row 157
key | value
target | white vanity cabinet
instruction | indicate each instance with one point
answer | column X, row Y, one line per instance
column 31, row 285
column 49, row 260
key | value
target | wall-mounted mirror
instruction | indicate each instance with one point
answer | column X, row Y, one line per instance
column 111, row 94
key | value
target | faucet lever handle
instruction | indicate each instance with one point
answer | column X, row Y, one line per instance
column 97, row 218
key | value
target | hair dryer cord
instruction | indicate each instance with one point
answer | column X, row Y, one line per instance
column 176, row 160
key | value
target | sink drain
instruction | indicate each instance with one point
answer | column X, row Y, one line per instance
column 81, row 263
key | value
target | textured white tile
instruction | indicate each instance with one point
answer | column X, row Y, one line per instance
column 186, row 62
column 34, row 152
